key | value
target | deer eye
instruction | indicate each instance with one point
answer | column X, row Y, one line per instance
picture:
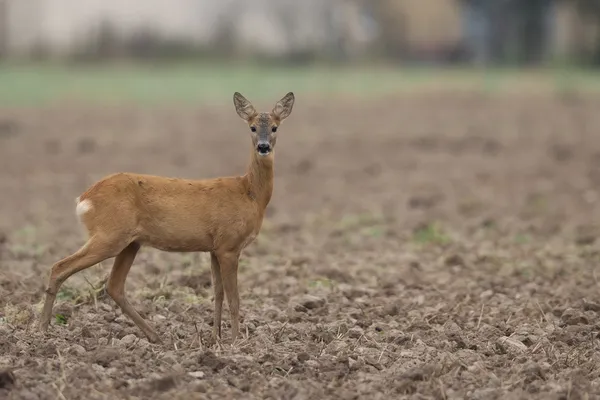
column 253, row 128
column 274, row 129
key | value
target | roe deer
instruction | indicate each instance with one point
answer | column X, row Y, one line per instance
column 125, row 211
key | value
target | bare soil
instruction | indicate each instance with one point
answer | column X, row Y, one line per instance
column 425, row 247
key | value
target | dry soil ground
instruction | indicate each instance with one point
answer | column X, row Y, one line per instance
column 429, row 247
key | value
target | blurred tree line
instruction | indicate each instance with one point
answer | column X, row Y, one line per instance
column 589, row 10
column 508, row 31
column 486, row 32
column 520, row 32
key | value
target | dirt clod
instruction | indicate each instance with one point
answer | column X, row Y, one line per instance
column 128, row 340
column 311, row 302
column 419, row 373
column 533, row 371
column 210, row 360
column 390, row 309
column 196, row 374
column 104, row 357
column 7, row 379
column 78, row 350
column 511, row 344
column 163, row 384
column 590, row 306
column 454, row 260
column 572, row 316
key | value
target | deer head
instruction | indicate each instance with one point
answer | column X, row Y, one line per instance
column 264, row 125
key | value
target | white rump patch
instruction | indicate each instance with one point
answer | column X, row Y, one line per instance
column 83, row 207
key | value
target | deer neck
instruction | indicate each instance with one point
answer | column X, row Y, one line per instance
column 260, row 178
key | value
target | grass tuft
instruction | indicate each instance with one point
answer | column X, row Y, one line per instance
column 431, row 234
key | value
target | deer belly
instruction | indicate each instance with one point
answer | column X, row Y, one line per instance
column 179, row 241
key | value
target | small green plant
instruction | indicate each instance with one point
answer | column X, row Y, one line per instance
column 190, row 298
column 374, row 231
column 26, row 233
column 67, row 293
column 522, row 238
column 60, row 319
column 431, row 233
column 525, row 272
column 356, row 221
column 321, row 282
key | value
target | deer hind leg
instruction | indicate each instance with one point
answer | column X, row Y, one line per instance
column 116, row 289
column 219, row 294
column 96, row 249
column 229, row 270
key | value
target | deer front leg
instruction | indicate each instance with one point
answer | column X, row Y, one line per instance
column 219, row 294
column 229, row 268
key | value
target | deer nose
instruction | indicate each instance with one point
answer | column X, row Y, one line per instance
column 263, row 148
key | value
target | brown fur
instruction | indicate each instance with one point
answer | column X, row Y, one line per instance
column 220, row 216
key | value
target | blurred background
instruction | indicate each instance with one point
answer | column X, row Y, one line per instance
column 404, row 31
column 396, row 38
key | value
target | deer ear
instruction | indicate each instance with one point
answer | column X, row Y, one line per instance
column 283, row 108
column 243, row 107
